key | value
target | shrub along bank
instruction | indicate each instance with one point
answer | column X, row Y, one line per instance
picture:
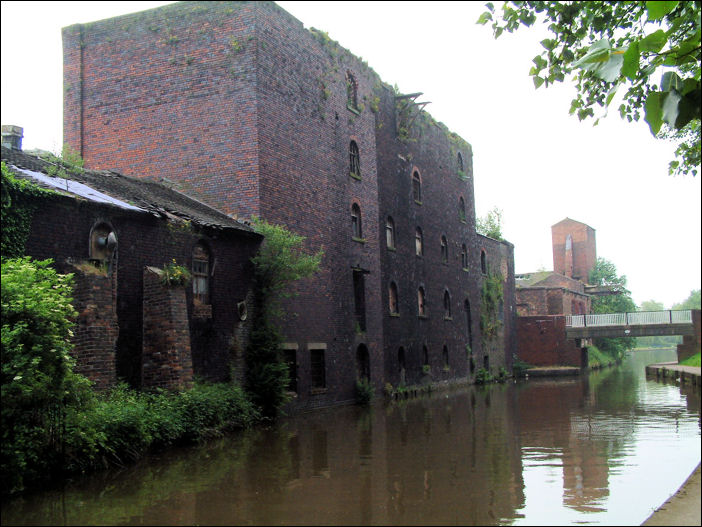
column 53, row 424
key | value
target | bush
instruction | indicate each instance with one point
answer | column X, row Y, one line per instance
column 483, row 376
column 38, row 382
column 364, row 391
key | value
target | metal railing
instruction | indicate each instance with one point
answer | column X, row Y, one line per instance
column 637, row 318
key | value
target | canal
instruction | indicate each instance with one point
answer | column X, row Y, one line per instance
column 606, row 448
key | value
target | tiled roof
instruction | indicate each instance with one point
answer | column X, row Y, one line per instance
column 106, row 186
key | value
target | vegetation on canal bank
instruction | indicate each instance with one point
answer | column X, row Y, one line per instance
column 597, row 358
column 692, row 361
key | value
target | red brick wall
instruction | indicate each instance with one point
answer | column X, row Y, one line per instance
column 166, row 356
column 541, row 341
column 95, row 335
column 691, row 343
column 584, row 248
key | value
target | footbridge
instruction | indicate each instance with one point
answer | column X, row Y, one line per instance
column 636, row 324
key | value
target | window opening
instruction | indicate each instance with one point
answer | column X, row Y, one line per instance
column 419, row 242
column 359, row 296
column 447, row 305
column 401, row 364
column 201, row 274
column 354, row 160
column 444, row 249
column 445, row 356
column 356, row 221
column 421, row 303
column 462, row 209
column 390, row 233
column 363, row 362
column 464, row 256
column 351, row 91
column 469, row 326
column 317, row 369
column 460, row 162
column 416, row 187
column 394, row 306
column 483, row 262
column 425, row 355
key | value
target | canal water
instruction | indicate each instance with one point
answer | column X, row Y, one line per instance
column 606, row 448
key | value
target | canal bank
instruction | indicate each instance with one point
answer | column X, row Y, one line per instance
column 683, row 507
column 676, row 372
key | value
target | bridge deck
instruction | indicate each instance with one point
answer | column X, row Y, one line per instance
column 637, row 324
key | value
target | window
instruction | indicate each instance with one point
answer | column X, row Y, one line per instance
column 354, row 160
column 356, row 221
column 392, row 294
column 460, row 162
column 445, row 357
column 444, row 249
column 483, row 262
column 390, row 233
column 362, row 362
column 462, row 209
column 201, row 274
column 317, row 369
column 402, row 365
column 103, row 242
column 447, row 305
column 359, row 296
column 425, row 356
column 464, row 256
column 421, row 302
column 419, row 242
column 351, row 91
column 416, row 187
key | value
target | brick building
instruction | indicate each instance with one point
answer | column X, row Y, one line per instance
column 115, row 233
column 244, row 109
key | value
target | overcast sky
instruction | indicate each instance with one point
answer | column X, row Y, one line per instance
column 531, row 159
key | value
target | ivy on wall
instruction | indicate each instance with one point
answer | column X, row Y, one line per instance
column 492, row 295
column 18, row 205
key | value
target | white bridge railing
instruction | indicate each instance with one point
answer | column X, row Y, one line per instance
column 638, row 318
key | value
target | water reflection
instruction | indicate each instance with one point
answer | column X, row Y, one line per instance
column 586, row 450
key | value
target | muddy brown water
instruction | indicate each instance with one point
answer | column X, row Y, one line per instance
column 606, row 448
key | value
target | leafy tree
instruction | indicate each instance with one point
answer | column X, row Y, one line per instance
column 650, row 50
column 651, row 305
column 658, row 341
column 692, row 301
column 38, row 381
column 490, row 224
column 604, row 273
column 280, row 261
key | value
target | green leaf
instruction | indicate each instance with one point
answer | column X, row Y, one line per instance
column 484, row 18
column 671, row 81
column 549, row 43
column 598, row 52
column 653, row 112
column 657, row 10
column 612, row 92
column 631, row 61
column 609, row 71
column 653, row 42
column 538, row 81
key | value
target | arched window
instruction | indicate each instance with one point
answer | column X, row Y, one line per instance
column 201, row 274
column 425, row 355
column 390, row 232
column 356, row 221
column 419, row 242
column 363, row 362
column 447, row 304
column 444, row 249
column 354, row 160
column 392, row 294
column 445, row 356
column 464, row 256
column 462, row 209
column 483, row 262
column 351, row 91
column 421, row 303
column 459, row 158
column 416, row 187
column 401, row 364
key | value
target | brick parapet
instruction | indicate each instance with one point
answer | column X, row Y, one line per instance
column 166, row 355
column 96, row 331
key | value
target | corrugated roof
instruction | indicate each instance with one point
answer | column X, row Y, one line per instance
column 113, row 188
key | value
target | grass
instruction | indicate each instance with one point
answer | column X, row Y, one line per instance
column 692, row 361
column 597, row 359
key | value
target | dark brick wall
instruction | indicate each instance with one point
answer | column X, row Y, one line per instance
column 166, row 356
column 691, row 343
column 95, row 335
column 266, row 130
column 542, row 342
column 61, row 230
column 551, row 301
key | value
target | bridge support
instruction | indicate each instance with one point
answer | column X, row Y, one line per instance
column 691, row 343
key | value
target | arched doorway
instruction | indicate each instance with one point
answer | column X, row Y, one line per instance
column 362, row 362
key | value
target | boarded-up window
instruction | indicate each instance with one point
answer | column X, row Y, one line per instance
column 317, row 369
column 201, row 274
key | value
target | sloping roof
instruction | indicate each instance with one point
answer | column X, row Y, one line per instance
column 531, row 279
column 113, row 188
